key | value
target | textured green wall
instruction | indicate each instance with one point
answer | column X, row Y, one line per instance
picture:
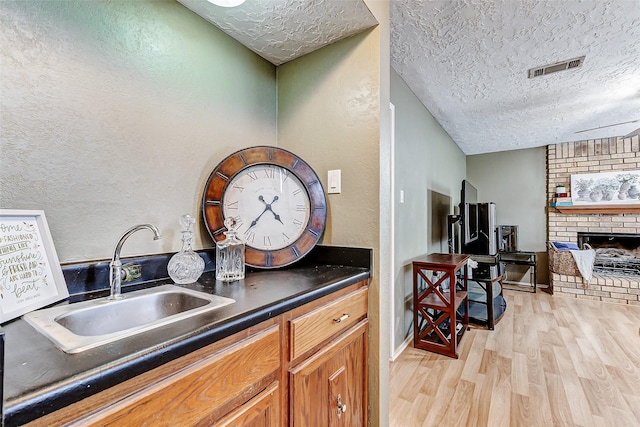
column 329, row 114
column 115, row 112
column 516, row 181
column 429, row 168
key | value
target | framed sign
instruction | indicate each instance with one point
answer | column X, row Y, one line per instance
column 30, row 273
column 606, row 188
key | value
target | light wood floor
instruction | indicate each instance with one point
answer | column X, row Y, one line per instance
column 550, row 361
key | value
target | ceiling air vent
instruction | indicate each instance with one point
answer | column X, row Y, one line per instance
column 558, row 66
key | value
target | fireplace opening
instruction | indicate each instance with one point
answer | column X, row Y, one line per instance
column 616, row 253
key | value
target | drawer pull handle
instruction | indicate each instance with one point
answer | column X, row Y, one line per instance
column 341, row 318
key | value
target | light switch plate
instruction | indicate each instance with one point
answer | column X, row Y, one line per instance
column 335, row 181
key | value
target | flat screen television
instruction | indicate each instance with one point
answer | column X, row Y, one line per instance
column 469, row 212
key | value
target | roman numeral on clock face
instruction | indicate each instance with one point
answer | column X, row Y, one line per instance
column 249, row 236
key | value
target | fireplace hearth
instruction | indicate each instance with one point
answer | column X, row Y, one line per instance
column 616, row 278
column 616, row 254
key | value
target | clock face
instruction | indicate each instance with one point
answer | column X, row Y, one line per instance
column 270, row 205
column 276, row 199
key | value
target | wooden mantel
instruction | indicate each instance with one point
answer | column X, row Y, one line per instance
column 599, row 209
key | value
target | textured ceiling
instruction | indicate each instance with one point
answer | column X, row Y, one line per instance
column 281, row 30
column 467, row 60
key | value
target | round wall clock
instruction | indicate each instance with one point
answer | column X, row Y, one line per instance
column 276, row 199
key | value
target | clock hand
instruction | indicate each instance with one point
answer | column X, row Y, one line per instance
column 275, row 215
column 267, row 207
column 255, row 221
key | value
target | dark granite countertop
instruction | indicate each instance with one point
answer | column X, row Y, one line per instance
column 39, row 378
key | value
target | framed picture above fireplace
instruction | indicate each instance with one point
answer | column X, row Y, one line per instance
column 606, row 188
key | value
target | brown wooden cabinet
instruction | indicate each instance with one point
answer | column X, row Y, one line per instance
column 257, row 377
column 328, row 366
column 330, row 388
column 201, row 392
column 440, row 302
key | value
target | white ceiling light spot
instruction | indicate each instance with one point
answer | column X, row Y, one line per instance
column 227, row 3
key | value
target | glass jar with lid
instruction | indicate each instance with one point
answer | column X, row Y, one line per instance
column 186, row 266
column 230, row 254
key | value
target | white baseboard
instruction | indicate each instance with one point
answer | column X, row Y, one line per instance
column 400, row 349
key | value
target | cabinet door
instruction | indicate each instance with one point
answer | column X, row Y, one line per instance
column 330, row 388
column 193, row 395
column 261, row 411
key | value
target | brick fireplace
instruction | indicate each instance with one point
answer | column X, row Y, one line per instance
column 593, row 156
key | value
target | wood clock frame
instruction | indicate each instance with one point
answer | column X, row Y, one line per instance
column 223, row 174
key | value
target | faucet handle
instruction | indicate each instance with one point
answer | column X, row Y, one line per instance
column 130, row 272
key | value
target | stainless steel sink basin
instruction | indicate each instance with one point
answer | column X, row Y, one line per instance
column 88, row 324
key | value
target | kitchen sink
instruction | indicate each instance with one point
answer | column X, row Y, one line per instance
column 78, row 327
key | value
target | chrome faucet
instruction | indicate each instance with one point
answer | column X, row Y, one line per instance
column 115, row 267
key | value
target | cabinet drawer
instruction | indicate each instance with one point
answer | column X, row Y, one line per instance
column 315, row 327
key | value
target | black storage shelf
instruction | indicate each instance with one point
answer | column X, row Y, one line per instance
column 520, row 258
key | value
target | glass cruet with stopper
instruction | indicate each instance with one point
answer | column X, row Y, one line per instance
column 186, row 266
column 230, row 254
